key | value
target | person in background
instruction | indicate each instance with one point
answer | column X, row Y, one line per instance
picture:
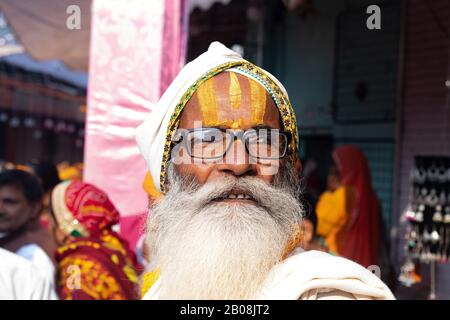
column 94, row 262
column 5, row 165
column 48, row 176
column 66, row 171
column 20, row 280
column 310, row 183
column 307, row 238
column 310, row 239
column 349, row 213
column 46, row 172
column 20, row 230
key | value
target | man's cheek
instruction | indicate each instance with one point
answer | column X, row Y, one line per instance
column 179, row 156
column 203, row 172
column 12, row 211
column 268, row 167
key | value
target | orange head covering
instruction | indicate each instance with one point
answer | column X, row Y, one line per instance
column 68, row 172
column 363, row 232
column 82, row 209
column 149, row 187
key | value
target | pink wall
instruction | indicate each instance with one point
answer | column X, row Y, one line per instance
column 136, row 50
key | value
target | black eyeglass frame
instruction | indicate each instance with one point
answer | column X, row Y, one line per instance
column 238, row 134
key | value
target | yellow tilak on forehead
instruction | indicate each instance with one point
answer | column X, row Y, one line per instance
column 257, row 101
column 236, row 124
column 235, row 91
column 206, row 94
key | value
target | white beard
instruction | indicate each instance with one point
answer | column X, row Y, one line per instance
column 218, row 250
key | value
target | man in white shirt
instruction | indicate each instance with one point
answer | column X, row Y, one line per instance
column 20, row 280
column 20, row 230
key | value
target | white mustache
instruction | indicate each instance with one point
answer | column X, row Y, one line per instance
column 221, row 188
column 271, row 197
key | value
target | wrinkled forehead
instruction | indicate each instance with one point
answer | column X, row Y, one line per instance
column 231, row 100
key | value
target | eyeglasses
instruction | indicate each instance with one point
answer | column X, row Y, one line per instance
column 214, row 143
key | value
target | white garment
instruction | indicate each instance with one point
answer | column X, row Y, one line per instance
column 20, row 280
column 33, row 253
column 314, row 275
column 139, row 250
column 319, row 275
column 151, row 134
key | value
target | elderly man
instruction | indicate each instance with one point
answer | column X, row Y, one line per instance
column 222, row 142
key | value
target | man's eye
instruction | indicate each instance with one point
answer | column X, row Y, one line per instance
column 204, row 137
column 260, row 139
column 208, row 138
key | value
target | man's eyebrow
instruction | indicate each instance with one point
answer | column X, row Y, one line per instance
column 257, row 127
column 216, row 127
column 263, row 126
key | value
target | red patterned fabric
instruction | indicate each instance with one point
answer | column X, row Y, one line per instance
column 90, row 206
column 98, row 263
column 100, row 268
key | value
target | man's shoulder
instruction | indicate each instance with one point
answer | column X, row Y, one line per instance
column 312, row 272
column 20, row 279
column 39, row 258
column 315, row 261
column 326, row 265
column 11, row 260
column 28, row 251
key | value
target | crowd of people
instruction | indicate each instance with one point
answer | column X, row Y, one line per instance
column 64, row 226
column 220, row 230
column 65, row 229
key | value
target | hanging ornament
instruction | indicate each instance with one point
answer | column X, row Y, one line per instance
column 70, row 128
column 48, row 124
column 14, row 122
column 60, row 126
column 81, row 133
column 29, row 122
column 79, row 143
column 3, row 117
column 408, row 274
column 305, row 8
column 37, row 134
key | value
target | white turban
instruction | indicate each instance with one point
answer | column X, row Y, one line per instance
column 151, row 135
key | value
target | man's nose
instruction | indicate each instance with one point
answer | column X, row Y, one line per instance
column 237, row 161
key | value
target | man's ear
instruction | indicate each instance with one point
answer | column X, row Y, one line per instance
column 36, row 209
column 308, row 230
